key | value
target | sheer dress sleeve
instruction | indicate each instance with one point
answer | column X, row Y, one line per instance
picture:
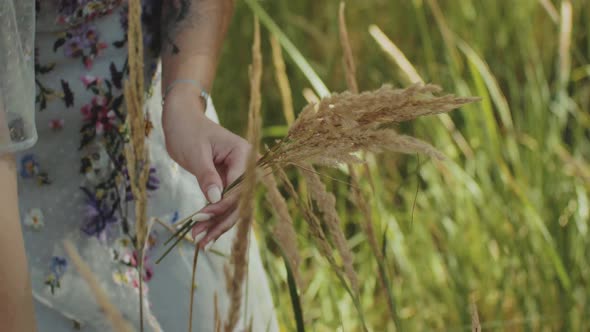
column 17, row 77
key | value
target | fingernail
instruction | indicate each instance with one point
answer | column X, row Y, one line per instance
column 198, row 238
column 201, row 217
column 214, row 194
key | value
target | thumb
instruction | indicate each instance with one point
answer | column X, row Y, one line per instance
column 209, row 180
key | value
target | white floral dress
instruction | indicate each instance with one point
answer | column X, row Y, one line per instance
column 73, row 185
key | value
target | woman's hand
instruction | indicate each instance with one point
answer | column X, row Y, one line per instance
column 212, row 153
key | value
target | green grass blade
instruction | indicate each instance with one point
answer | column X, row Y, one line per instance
column 315, row 81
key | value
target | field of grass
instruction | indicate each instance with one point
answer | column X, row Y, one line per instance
column 499, row 228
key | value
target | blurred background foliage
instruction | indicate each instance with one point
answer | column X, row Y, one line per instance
column 502, row 224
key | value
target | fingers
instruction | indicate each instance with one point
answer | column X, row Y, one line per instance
column 217, row 212
column 201, row 227
column 228, row 203
column 219, row 227
column 202, row 166
column 236, row 161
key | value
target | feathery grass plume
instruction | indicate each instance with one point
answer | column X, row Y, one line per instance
column 282, row 80
column 111, row 312
column 239, row 255
column 136, row 152
column 348, row 123
column 326, row 204
column 284, row 231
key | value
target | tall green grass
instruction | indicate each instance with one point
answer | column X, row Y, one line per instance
column 503, row 223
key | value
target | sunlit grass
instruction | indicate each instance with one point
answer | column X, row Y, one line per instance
column 503, row 223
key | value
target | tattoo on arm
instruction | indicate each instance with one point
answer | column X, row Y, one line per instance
column 174, row 19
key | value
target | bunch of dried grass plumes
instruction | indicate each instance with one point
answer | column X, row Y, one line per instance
column 332, row 131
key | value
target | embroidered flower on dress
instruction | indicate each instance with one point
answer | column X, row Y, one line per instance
column 133, row 277
column 56, row 124
column 89, row 79
column 99, row 113
column 57, row 267
column 82, row 42
column 130, row 277
column 29, row 167
column 99, row 215
column 148, row 271
column 120, row 278
column 73, row 12
column 34, row 219
column 95, row 163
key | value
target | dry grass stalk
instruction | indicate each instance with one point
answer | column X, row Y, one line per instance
column 217, row 322
column 111, row 312
column 550, row 9
column 136, row 152
column 326, row 203
column 283, row 231
column 310, row 96
column 348, row 59
column 395, row 53
column 475, row 324
column 565, row 40
column 282, row 80
column 239, row 258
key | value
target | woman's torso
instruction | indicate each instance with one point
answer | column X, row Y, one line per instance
column 73, row 183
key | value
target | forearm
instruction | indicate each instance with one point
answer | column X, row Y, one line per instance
column 192, row 36
column 16, row 305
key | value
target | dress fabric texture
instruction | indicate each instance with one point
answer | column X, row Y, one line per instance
column 73, row 185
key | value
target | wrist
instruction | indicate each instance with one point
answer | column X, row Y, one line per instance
column 183, row 93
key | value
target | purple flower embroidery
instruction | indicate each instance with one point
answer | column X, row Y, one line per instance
column 77, row 11
column 83, row 41
column 153, row 183
column 99, row 215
